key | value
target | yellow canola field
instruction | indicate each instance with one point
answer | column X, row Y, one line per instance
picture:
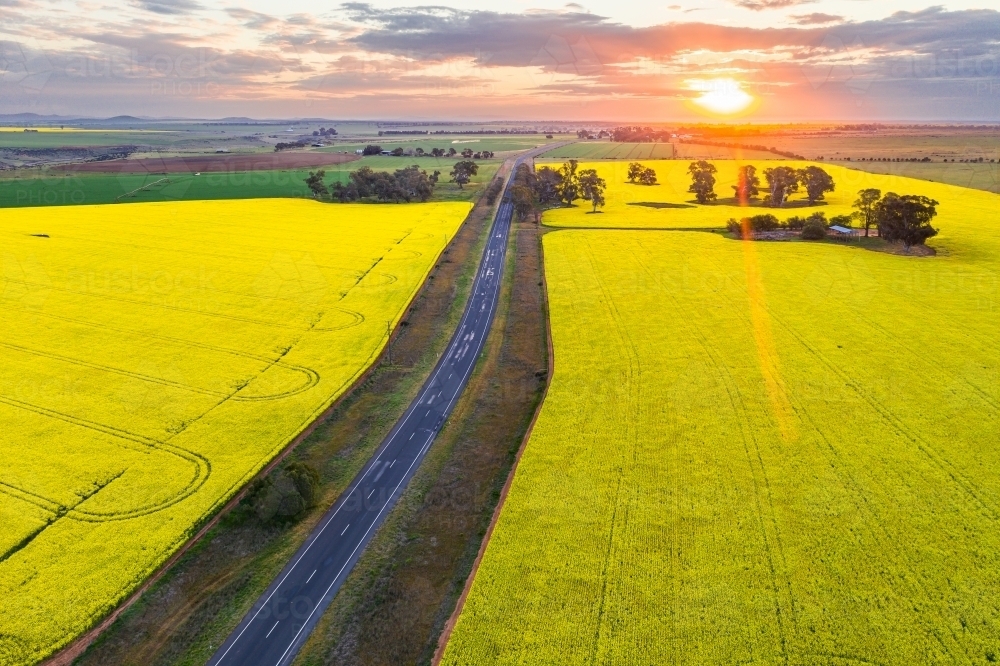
column 670, row 206
column 153, row 358
column 757, row 453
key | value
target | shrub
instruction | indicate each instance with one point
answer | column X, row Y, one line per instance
column 842, row 220
column 813, row 230
column 796, row 222
column 283, row 495
column 765, row 222
column 818, row 218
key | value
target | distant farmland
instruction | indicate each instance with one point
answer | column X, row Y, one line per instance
column 756, row 453
column 156, row 357
column 62, row 188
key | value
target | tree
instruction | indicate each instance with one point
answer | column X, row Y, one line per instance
column 344, row 193
column 363, row 181
column 906, row 218
column 467, row 153
column 816, row 181
column 437, row 152
column 702, row 181
column 414, row 184
column 371, row 149
column 865, row 207
column 634, row 171
column 637, row 173
column 315, row 184
column 781, row 181
column 463, row 172
column 397, row 151
column 569, row 186
column 386, row 188
column 547, row 183
column 524, row 201
column 592, row 187
column 747, row 183
column 452, row 152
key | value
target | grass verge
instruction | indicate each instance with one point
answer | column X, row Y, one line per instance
column 397, row 601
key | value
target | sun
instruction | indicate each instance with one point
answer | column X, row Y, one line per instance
column 721, row 96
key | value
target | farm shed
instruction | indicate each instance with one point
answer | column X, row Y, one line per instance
column 842, row 233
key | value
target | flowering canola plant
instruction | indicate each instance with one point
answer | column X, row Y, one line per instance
column 756, row 452
column 153, row 358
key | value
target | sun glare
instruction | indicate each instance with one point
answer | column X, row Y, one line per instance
column 721, row 96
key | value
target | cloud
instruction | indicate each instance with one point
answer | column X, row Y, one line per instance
column 251, row 19
column 816, row 18
column 761, row 5
column 168, row 6
column 502, row 59
column 433, row 34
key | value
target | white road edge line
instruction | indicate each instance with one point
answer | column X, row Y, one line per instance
column 381, row 511
column 272, row 629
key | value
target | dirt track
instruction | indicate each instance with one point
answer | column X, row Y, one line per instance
column 213, row 163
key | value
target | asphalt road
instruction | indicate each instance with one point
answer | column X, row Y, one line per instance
column 278, row 624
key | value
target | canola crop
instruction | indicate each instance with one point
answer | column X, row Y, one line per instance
column 153, row 358
column 757, row 453
column 668, row 205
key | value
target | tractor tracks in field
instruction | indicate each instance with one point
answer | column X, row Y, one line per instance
column 129, row 438
column 311, row 376
column 836, row 460
column 771, row 538
column 633, row 381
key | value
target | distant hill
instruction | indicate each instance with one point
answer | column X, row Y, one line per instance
column 31, row 118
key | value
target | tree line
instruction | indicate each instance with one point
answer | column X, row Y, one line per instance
column 403, row 185
column 532, row 191
column 899, row 218
column 782, row 181
column 468, row 153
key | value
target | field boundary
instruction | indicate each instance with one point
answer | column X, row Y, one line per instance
column 460, row 604
column 67, row 655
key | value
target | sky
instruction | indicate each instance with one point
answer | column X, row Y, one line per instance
column 603, row 61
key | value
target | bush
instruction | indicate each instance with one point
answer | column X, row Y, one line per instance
column 285, row 493
column 842, row 220
column 734, row 227
column 813, row 230
column 796, row 222
column 818, row 218
column 765, row 222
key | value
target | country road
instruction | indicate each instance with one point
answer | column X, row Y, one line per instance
column 281, row 620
